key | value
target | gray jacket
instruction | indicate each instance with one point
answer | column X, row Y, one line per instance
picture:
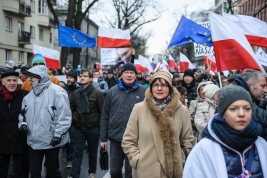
column 47, row 113
column 117, row 109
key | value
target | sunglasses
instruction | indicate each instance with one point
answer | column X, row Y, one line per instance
column 39, row 63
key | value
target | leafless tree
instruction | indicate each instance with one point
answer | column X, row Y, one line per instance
column 231, row 5
column 76, row 13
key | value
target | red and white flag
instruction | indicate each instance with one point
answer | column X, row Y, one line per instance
column 172, row 63
column 98, row 66
column 142, row 64
column 112, row 38
column 232, row 50
column 254, row 29
column 185, row 63
column 209, row 60
column 51, row 56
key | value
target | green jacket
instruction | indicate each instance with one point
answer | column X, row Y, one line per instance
column 91, row 119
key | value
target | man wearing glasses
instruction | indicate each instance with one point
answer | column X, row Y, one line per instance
column 118, row 106
column 86, row 110
column 39, row 60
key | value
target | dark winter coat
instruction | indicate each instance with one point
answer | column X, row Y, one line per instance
column 191, row 91
column 70, row 90
column 12, row 141
column 111, row 82
column 88, row 120
column 118, row 106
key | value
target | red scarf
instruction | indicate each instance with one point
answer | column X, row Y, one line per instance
column 8, row 94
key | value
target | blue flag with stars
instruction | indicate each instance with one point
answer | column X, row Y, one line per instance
column 70, row 37
column 189, row 31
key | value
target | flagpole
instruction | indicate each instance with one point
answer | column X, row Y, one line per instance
column 220, row 80
column 175, row 31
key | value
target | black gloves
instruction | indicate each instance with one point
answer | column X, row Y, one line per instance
column 24, row 129
column 55, row 141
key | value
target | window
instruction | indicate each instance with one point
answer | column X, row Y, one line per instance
column 8, row 23
column 41, row 34
column 32, row 31
column 21, row 27
column 21, row 57
column 8, row 55
column 50, row 37
column 42, row 7
column 32, row 3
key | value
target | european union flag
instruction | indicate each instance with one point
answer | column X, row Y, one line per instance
column 70, row 37
column 189, row 31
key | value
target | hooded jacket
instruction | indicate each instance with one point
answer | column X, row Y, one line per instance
column 153, row 139
column 47, row 112
column 27, row 85
column 193, row 104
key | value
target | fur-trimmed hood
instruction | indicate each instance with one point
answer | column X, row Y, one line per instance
column 167, row 131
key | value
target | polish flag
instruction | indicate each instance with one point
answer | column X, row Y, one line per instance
column 185, row 63
column 112, row 38
column 232, row 50
column 164, row 63
column 98, row 66
column 172, row 63
column 142, row 64
column 209, row 60
column 254, row 29
column 51, row 56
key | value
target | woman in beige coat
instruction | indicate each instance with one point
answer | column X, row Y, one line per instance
column 159, row 133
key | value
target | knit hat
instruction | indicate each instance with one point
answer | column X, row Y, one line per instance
column 24, row 69
column 189, row 72
column 38, row 58
column 162, row 74
column 9, row 72
column 72, row 73
column 181, row 89
column 229, row 94
column 175, row 75
column 10, row 64
column 128, row 66
column 110, row 71
column 210, row 90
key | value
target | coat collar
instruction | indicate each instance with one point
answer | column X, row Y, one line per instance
column 164, row 133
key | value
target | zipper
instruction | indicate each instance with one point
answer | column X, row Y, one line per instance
column 242, row 156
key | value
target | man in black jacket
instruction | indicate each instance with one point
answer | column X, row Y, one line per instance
column 255, row 83
column 71, row 86
column 86, row 110
column 118, row 106
column 12, row 141
column 111, row 79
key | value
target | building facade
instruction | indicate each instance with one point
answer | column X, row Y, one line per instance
column 88, row 55
column 24, row 23
column 256, row 8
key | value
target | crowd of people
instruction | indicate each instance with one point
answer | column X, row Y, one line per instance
column 158, row 124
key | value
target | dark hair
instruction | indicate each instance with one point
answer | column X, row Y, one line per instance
column 88, row 71
column 159, row 79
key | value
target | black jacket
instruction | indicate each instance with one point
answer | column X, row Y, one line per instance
column 12, row 141
column 70, row 90
column 118, row 106
column 91, row 119
column 111, row 82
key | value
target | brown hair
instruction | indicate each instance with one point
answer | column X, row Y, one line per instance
column 88, row 71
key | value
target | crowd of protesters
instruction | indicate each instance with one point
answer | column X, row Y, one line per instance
column 158, row 125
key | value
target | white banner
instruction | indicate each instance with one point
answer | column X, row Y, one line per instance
column 109, row 56
column 262, row 57
column 113, row 56
column 201, row 50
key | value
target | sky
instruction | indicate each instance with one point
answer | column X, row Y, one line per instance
column 163, row 28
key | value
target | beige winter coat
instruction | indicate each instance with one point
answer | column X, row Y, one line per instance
column 204, row 112
column 153, row 138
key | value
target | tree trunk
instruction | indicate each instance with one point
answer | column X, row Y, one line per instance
column 64, row 56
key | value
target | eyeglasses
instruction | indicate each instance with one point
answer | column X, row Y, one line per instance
column 39, row 63
column 83, row 76
column 163, row 86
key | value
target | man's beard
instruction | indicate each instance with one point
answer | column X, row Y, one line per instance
column 71, row 83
